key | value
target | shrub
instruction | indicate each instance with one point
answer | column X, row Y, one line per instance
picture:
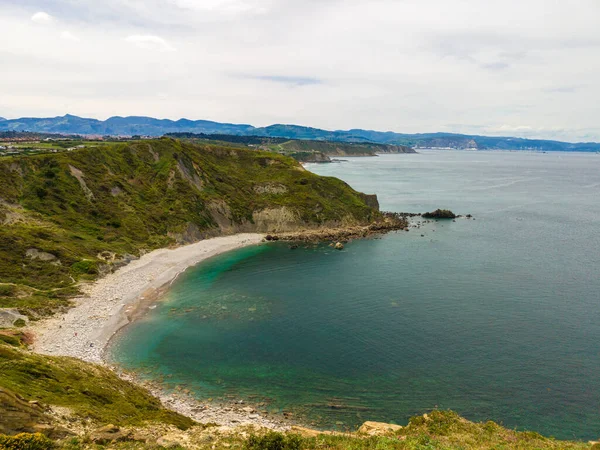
column 7, row 290
column 10, row 340
column 25, row 441
column 274, row 441
column 19, row 323
column 85, row 267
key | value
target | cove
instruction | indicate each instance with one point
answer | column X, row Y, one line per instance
column 495, row 318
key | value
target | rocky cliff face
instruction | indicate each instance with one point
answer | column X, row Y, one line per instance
column 129, row 198
column 310, row 157
column 395, row 149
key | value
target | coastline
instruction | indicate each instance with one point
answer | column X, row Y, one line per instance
column 112, row 302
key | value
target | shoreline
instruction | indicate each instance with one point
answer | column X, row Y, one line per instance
column 112, row 302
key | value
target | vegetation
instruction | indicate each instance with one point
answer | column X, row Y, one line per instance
column 68, row 217
column 443, row 430
column 25, row 441
column 439, row 430
column 331, row 148
column 300, row 149
column 94, row 396
column 274, row 441
column 91, row 392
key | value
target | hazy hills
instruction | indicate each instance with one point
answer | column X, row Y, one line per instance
column 148, row 126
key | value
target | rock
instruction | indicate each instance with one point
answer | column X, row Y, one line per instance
column 11, row 317
column 339, row 246
column 51, row 431
column 440, row 214
column 270, row 188
column 310, row 433
column 248, row 409
column 35, row 253
column 171, row 440
column 109, row 433
column 139, row 437
column 124, row 260
column 370, row 200
column 305, row 432
column 378, row 428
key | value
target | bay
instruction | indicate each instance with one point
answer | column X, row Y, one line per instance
column 496, row 318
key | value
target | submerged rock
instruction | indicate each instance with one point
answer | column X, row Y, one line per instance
column 339, row 246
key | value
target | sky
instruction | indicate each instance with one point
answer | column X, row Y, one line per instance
column 528, row 68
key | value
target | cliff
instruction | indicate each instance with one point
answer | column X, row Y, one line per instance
column 75, row 215
column 332, row 148
column 310, row 157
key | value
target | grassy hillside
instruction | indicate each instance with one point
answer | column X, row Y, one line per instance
column 71, row 216
column 299, row 148
column 340, row 148
column 90, row 392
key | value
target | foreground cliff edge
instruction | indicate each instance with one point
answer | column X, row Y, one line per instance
column 73, row 217
column 60, row 402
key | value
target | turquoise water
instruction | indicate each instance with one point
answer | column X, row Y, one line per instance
column 497, row 318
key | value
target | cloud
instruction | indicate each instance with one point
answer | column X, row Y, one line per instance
column 562, row 89
column 512, row 128
column 224, row 6
column 289, row 80
column 500, row 65
column 335, row 64
column 150, row 42
column 68, row 36
column 42, row 18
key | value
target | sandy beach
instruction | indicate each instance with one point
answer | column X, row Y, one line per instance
column 113, row 301
column 110, row 302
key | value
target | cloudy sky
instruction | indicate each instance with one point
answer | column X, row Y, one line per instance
column 512, row 67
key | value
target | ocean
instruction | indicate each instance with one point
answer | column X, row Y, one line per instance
column 497, row 317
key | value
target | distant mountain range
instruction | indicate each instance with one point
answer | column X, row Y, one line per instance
column 148, row 126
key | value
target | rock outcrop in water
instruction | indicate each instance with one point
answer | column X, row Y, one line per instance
column 440, row 214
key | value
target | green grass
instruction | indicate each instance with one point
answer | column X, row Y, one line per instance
column 139, row 196
column 439, row 430
column 90, row 391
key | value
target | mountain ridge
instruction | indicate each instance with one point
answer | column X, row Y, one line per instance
column 149, row 126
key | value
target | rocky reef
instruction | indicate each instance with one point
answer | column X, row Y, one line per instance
column 388, row 222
